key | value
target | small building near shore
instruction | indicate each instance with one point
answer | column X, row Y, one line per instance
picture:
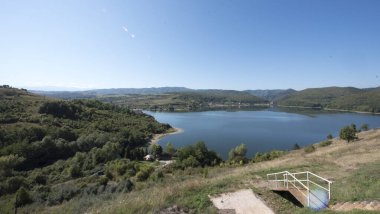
column 137, row 111
column 149, row 157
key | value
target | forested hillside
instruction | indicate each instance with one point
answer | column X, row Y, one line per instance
column 343, row 98
column 271, row 95
column 45, row 142
column 220, row 96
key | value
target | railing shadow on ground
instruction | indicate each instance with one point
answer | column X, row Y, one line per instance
column 288, row 196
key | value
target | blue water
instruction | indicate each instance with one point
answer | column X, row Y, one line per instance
column 261, row 131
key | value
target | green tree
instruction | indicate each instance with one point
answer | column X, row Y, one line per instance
column 191, row 161
column 348, row 133
column 238, row 153
column 155, row 150
column 197, row 155
column 170, row 149
column 364, row 127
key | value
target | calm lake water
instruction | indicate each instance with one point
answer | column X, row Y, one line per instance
column 261, row 131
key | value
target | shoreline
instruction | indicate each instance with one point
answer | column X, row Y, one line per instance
column 158, row 137
column 330, row 109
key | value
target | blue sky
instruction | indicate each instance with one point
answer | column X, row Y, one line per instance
column 252, row 44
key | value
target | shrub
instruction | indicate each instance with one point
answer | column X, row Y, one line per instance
column 13, row 184
column 142, row 175
column 238, row 153
column 268, row 155
column 124, row 186
column 191, row 161
column 61, row 193
column 75, row 171
column 103, row 181
column 120, row 167
column 40, row 194
column 325, row 143
column 157, row 176
column 296, row 146
column 329, row 136
column 37, row 177
column 8, row 163
column 22, row 197
column 364, row 127
column 309, row 149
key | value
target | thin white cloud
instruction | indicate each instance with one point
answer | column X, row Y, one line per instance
column 132, row 36
column 125, row 28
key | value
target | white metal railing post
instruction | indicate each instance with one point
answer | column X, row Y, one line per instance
column 308, row 190
column 275, row 177
column 287, row 182
column 329, row 190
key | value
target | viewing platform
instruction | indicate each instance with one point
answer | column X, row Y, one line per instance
column 309, row 189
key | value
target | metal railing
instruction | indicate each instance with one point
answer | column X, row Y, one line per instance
column 301, row 181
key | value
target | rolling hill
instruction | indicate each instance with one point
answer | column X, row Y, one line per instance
column 271, row 95
column 196, row 100
column 341, row 98
column 46, row 144
column 165, row 98
column 185, row 99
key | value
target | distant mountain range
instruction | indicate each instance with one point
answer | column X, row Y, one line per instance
column 264, row 94
column 111, row 91
column 343, row 98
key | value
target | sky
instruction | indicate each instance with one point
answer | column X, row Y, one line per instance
column 200, row 44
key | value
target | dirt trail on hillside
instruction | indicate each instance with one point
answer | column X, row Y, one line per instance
column 242, row 202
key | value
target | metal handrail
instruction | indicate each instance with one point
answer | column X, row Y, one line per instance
column 293, row 179
column 320, row 177
column 318, row 185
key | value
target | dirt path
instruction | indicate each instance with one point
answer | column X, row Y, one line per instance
column 243, row 201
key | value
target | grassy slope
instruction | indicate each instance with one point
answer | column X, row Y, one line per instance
column 354, row 166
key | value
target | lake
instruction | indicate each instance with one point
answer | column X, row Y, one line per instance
column 261, row 131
